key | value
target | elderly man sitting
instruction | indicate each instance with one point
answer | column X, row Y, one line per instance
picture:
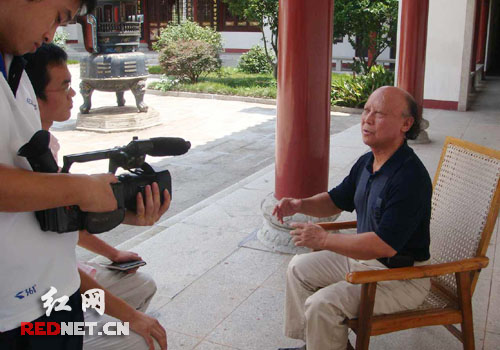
column 390, row 189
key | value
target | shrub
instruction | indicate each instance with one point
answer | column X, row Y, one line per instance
column 255, row 61
column 60, row 38
column 188, row 59
column 165, row 84
column 354, row 91
column 154, row 70
column 188, row 30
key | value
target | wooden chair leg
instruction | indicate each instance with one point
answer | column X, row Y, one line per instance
column 465, row 302
column 365, row 315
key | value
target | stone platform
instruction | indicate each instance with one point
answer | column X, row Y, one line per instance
column 116, row 119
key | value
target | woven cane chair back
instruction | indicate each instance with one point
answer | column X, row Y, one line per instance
column 464, row 205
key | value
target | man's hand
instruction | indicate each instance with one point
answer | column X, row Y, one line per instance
column 287, row 207
column 126, row 256
column 149, row 328
column 308, row 235
column 149, row 210
column 96, row 194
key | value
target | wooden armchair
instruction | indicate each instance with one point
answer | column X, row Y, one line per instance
column 465, row 203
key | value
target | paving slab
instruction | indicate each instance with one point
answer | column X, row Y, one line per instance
column 206, row 345
column 256, row 324
column 182, row 253
column 213, row 297
column 179, row 341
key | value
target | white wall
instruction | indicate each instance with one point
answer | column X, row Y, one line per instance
column 72, row 30
column 446, row 44
column 344, row 49
column 242, row 40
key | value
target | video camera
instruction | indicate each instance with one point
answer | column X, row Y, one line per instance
column 130, row 157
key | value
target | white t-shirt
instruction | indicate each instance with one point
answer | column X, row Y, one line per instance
column 31, row 261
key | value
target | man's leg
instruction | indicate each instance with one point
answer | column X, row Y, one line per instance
column 136, row 289
column 305, row 275
column 133, row 341
column 326, row 309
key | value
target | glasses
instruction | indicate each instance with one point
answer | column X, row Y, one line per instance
column 66, row 88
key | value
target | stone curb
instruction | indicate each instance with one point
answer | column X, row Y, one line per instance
column 267, row 101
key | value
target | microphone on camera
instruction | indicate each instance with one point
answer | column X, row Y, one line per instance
column 158, row 146
column 38, row 153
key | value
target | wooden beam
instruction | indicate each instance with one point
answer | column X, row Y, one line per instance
column 405, row 273
column 367, row 303
column 384, row 324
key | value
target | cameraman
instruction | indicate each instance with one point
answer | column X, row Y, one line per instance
column 48, row 72
column 32, row 261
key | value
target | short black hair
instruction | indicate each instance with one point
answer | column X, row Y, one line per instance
column 37, row 66
column 86, row 7
column 412, row 110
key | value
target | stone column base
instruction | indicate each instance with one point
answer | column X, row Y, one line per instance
column 423, row 136
column 276, row 235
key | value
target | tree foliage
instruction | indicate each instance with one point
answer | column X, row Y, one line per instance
column 265, row 12
column 357, row 19
column 369, row 25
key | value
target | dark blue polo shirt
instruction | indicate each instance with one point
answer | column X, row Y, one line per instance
column 394, row 202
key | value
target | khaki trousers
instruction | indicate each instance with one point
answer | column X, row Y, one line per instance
column 318, row 298
column 137, row 290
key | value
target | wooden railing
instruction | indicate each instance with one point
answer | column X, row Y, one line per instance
column 123, row 27
column 342, row 61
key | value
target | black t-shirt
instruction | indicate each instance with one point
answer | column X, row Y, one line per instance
column 394, row 202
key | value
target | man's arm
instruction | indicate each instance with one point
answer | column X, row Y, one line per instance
column 142, row 324
column 22, row 190
column 98, row 246
column 363, row 246
column 319, row 205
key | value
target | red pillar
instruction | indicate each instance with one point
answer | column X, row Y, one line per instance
column 412, row 46
column 195, row 10
column 483, row 29
column 475, row 37
column 303, row 102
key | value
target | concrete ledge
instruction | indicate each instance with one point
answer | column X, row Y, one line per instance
column 267, row 101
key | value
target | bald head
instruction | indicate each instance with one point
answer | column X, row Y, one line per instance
column 402, row 103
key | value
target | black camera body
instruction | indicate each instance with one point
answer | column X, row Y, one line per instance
column 130, row 157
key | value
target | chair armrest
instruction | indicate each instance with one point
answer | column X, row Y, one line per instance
column 406, row 273
column 330, row 226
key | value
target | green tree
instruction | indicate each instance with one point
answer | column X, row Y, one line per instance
column 265, row 12
column 371, row 25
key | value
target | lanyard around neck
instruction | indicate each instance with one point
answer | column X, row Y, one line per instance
column 2, row 66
